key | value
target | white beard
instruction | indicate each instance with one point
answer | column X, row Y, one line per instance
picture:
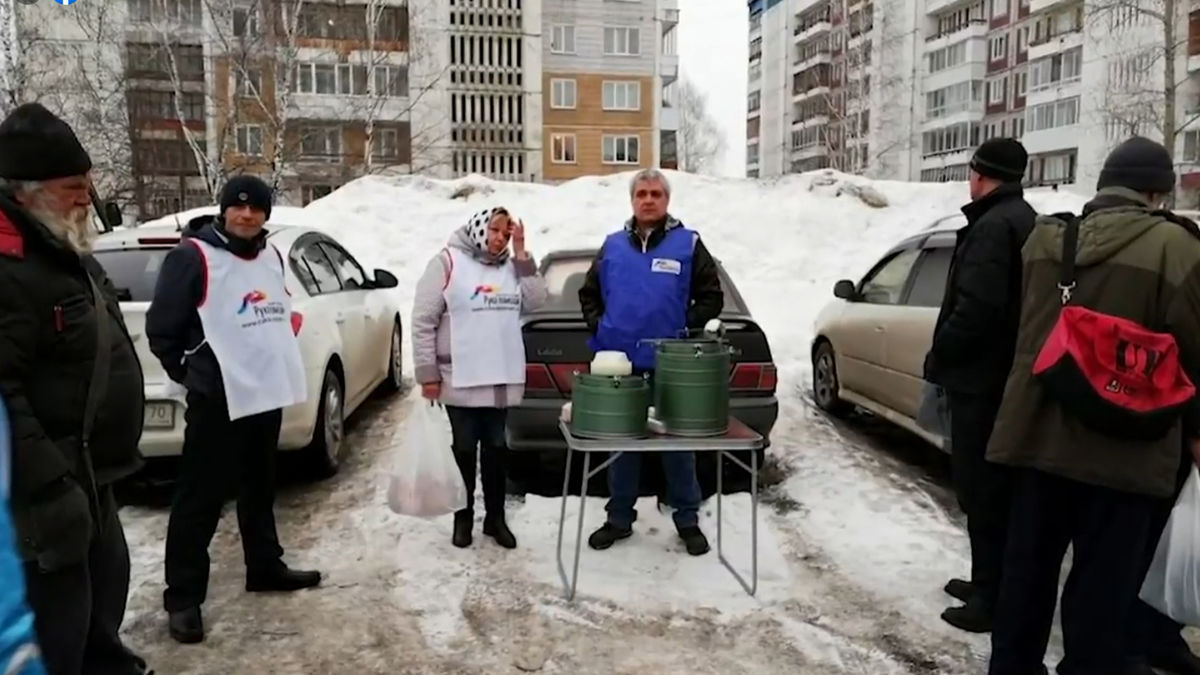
column 75, row 230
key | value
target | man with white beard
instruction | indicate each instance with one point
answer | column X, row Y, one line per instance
column 73, row 386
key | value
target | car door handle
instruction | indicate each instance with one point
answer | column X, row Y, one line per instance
column 878, row 329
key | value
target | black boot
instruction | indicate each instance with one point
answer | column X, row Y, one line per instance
column 186, row 626
column 1176, row 659
column 281, row 579
column 960, row 589
column 463, row 522
column 694, row 540
column 497, row 528
column 972, row 617
column 607, row 535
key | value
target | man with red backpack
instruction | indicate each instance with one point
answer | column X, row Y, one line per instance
column 1092, row 419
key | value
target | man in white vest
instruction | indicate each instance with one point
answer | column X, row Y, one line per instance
column 220, row 323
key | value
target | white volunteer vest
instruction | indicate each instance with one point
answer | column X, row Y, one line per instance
column 247, row 319
column 484, row 304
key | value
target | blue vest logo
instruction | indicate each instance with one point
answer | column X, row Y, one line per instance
column 65, row 2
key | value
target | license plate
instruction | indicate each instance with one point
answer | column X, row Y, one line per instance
column 159, row 415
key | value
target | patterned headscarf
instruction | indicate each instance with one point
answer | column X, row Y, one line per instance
column 475, row 232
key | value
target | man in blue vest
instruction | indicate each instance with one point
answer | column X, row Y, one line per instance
column 19, row 652
column 653, row 279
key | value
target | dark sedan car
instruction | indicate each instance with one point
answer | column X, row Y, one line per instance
column 556, row 347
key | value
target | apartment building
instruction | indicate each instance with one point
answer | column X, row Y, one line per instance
column 1055, row 125
column 609, row 67
column 815, row 80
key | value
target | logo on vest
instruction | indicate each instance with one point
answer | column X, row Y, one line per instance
column 493, row 299
column 263, row 311
column 666, row 266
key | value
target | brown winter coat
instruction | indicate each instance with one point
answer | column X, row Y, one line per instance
column 1131, row 263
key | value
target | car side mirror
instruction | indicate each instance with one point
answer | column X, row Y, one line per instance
column 112, row 214
column 845, row 290
column 385, row 279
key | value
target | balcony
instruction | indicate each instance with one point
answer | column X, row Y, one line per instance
column 804, row 95
column 1055, row 44
column 972, row 111
column 810, row 151
column 820, row 120
column 935, row 7
column 805, row 34
column 1038, row 6
column 668, row 67
column 670, row 19
column 976, row 28
column 668, row 118
column 1052, row 140
column 806, row 62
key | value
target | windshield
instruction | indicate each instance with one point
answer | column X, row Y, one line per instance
column 134, row 272
column 565, row 276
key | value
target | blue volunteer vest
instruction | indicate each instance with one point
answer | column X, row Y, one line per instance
column 18, row 649
column 646, row 293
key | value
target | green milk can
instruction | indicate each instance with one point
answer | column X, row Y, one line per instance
column 606, row 406
column 691, row 386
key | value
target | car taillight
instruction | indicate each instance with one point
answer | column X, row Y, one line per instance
column 297, row 322
column 538, row 379
column 753, row 377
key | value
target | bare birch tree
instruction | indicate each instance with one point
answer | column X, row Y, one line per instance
column 699, row 142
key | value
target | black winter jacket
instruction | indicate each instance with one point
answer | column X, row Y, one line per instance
column 708, row 298
column 48, row 340
column 976, row 331
column 172, row 323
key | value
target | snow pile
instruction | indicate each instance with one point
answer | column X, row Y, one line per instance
column 784, row 242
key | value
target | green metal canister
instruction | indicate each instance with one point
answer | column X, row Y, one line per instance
column 604, row 406
column 691, row 386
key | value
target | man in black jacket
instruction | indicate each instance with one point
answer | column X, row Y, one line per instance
column 972, row 352
column 73, row 385
column 651, row 280
column 220, row 325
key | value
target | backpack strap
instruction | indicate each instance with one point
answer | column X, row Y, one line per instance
column 1070, row 247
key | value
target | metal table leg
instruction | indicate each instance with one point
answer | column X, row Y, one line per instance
column 569, row 585
column 752, row 586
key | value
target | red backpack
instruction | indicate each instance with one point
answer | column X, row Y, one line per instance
column 1116, row 376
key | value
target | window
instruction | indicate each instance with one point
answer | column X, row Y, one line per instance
column 323, row 142
column 344, row 79
column 756, row 49
column 185, row 12
column 1056, row 70
column 389, row 144
column 348, row 270
column 562, row 39
column 250, row 139
column 172, row 157
column 622, row 41
column 752, row 153
column 160, row 105
column 390, row 80
column 998, row 47
column 1191, row 146
column 1023, row 39
column 622, row 96
column 755, row 72
column 250, row 83
column 303, row 272
column 754, row 101
column 152, row 61
column 562, row 148
column 620, row 149
column 885, row 284
column 1022, row 84
column 134, row 271
column 321, row 270
column 953, row 99
column 1053, row 115
column 929, row 282
column 349, row 22
column 948, row 57
column 999, row 8
column 562, row 94
column 950, row 139
column 245, row 22
column 996, row 90
column 311, row 193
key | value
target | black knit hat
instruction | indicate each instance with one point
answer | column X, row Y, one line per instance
column 36, row 145
column 246, row 191
column 1003, row 159
column 1139, row 164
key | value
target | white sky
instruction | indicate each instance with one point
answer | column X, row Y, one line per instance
column 713, row 53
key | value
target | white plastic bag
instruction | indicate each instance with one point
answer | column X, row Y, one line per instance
column 1172, row 585
column 425, row 480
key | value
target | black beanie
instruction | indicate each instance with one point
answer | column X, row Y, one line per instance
column 36, row 145
column 246, row 191
column 1003, row 159
column 1139, row 164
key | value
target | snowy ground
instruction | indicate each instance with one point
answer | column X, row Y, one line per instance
column 855, row 545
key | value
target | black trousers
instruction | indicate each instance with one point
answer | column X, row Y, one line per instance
column 482, row 430
column 1151, row 632
column 78, row 610
column 221, row 459
column 1107, row 531
column 983, row 489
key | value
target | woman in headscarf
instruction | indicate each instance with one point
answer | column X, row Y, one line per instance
column 469, row 352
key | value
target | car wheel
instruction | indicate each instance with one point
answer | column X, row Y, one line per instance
column 329, row 434
column 825, row 382
column 395, row 374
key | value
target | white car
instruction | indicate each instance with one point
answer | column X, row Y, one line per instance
column 350, row 332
